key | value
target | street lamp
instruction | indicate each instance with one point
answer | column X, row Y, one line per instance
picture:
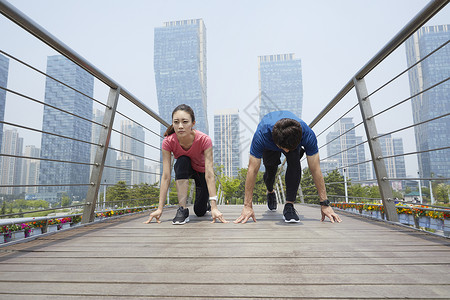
column 431, row 190
column 420, row 188
column 345, row 185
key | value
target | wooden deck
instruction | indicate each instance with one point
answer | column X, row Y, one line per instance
column 125, row 259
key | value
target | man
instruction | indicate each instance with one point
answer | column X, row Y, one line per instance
column 283, row 132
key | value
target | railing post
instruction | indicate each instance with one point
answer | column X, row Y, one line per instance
column 375, row 150
column 300, row 192
column 283, row 200
column 277, row 193
column 100, row 156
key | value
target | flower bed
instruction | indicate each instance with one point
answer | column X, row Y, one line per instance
column 17, row 231
column 420, row 216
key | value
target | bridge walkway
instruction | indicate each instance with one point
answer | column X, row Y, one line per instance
column 126, row 259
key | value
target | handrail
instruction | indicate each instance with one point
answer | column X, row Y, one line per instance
column 418, row 21
column 16, row 16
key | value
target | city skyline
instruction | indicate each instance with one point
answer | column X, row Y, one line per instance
column 226, row 91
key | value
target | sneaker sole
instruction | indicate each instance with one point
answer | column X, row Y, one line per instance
column 181, row 223
column 291, row 220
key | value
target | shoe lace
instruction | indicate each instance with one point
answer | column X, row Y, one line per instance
column 290, row 209
column 180, row 212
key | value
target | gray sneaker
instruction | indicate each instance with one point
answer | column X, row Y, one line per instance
column 290, row 214
column 272, row 201
column 182, row 216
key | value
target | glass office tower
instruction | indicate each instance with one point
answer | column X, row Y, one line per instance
column 433, row 103
column 395, row 166
column 11, row 167
column 354, row 156
column 180, row 69
column 55, row 121
column 135, row 150
column 227, row 141
column 4, row 66
column 280, row 84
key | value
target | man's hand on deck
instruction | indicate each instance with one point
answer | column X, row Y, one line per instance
column 329, row 212
column 247, row 213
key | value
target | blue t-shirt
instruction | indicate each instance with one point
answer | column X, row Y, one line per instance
column 262, row 139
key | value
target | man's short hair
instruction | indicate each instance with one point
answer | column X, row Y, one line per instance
column 287, row 133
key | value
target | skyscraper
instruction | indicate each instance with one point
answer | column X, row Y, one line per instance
column 11, row 167
column 180, row 69
column 341, row 147
column 30, row 174
column 395, row 166
column 227, row 141
column 133, row 158
column 4, row 67
column 280, row 84
column 55, row 121
column 433, row 103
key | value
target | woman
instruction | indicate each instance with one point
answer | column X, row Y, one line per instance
column 193, row 151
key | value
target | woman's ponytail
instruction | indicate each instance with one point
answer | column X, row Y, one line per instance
column 169, row 130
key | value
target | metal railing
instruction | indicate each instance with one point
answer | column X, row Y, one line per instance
column 114, row 107
column 343, row 155
column 117, row 94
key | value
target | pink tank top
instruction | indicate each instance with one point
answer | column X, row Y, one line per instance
column 196, row 153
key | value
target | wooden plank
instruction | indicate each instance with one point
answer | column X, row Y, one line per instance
column 124, row 258
column 224, row 278
column 234, row 290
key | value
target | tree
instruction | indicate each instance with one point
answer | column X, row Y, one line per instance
column 408, row 190
column 144, row 194
column 397, row 194
column 442, row 192
column 373, row 192
column 20, row 204
column 229, row 188
column 357, row 191
column 117, row 192
column 38, row 204
column 65, row 200
column 240, row 191
column 336, row 185
column 260, row 190
column 308, row 187
column 173, row 195
column 4, row 207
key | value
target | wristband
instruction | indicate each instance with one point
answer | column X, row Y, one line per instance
column 213, row 198
column 325, row 203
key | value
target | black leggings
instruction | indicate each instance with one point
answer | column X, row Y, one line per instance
column 271, row 160
column 183, row 170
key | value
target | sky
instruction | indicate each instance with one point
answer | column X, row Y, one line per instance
column 333, row 39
